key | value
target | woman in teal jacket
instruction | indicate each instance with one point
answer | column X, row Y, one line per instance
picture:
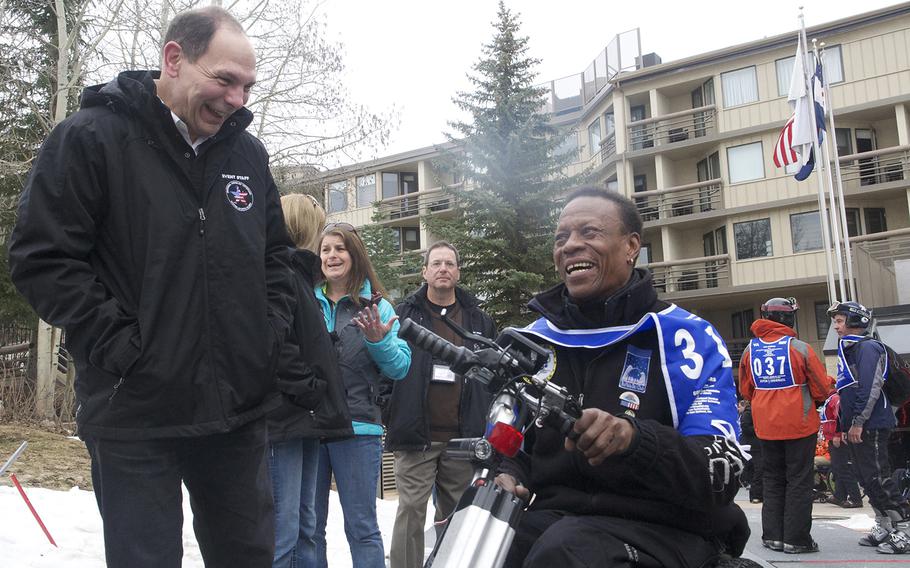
column 365, row 330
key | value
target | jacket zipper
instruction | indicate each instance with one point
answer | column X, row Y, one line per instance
column 201, row 222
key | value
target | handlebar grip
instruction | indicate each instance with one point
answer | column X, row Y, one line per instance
column 460, row 359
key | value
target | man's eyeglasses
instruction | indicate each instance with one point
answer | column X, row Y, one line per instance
column 340, row 226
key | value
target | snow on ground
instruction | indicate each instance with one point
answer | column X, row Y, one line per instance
column 73, row 521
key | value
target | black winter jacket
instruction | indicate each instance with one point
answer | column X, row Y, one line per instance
column 167, row 270
column 309, row 354
column 664, row 477
column 406, row 418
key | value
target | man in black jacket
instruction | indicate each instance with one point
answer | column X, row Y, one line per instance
column 433, row 405
column 150, row 230
column 651, row 478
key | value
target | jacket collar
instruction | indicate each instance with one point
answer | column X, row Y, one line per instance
column 626, row 305
column 771, row 330
column 419, row 297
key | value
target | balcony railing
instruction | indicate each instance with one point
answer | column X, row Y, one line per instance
column 607, row 147
column 689, row 199
column 878, row 166
column 874, row 256
column 414, row 204
column 735, row 348
column 691, row 274
column 672, row 128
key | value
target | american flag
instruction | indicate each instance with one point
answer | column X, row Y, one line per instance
column 784, row 155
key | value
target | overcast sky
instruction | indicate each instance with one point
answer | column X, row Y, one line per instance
column 413, row 55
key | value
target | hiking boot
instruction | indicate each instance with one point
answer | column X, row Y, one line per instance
column 851, row 504
column 897, row 543
column 773, row 544
column 876, row 536
column 801, row 548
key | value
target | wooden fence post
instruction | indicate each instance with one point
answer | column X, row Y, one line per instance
column 48, row 343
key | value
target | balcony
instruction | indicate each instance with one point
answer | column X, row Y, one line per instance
column 691, row 274
column 876, row 167
column 607, row 147
column 414, row 204
column 672, row 128
column 679, row 201
column 874, row 258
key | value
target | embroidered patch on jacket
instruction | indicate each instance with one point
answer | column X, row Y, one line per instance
column 239, row 195
column 635, row 370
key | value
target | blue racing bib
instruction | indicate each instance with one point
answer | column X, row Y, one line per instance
column 771, row 369
column 696, row 366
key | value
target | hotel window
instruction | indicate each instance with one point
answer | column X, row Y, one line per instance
column 753, row 239
column 366, row 190
column 806, row 231
column 875, row 220
column 784, row 69
column 745, row 162
column 569, row 144
column 822, row 321
column 852, row 221
column 644, row 255
column 740, row 87
column 408, row 238
column 844, row 141
column 338, row 196
column 594, row 137
column 833, row 64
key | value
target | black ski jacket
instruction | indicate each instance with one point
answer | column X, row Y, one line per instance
column 406, row 418
column 167, row 270
column 664, row 477
column 309, row 354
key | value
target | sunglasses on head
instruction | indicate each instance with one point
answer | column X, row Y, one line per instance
column 313, row 200
column 340, row 226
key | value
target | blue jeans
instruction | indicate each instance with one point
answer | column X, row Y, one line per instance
column 355, row 463
column 292, row 467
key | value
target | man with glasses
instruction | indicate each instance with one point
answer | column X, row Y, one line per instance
column 867, row 417
column 151, row 230
column 433, row 405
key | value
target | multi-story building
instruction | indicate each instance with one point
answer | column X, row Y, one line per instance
column 691, row 142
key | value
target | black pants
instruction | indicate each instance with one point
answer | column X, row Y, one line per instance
column 845, row 484
column 786, row 514
column 872, row 468
column 552, row 539
column 137, row 486
column 754, row 470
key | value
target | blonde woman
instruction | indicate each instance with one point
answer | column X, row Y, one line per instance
column 315, row 408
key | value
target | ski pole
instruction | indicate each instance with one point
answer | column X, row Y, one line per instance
column 31, row 508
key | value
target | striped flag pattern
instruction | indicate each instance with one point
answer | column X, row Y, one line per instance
column 784, row 155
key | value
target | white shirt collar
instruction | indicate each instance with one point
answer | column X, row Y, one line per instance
column 185, row 132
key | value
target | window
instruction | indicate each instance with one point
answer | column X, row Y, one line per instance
column 612, row 185
column 745, row 162
column 594, row 137
column 806, row 231
column 875, row 220
column 644, row 255
column 740, row 87
column 784, row 69
column 852, row 221
column 338, row 197
column 610, row 122
column 569, row 144
column 740, row 322
column 844, row 141
column 410, row 238
column 822, row 321
column 833, row 64
column 389, row 185
column 640, row 183
column 753, row 239
column 366, row 190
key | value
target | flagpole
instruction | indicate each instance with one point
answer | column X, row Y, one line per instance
column 841, row 205
column 832, row 207
column 822, row 210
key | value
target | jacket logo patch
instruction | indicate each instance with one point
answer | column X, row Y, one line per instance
column 239, row 195
column 635, row 370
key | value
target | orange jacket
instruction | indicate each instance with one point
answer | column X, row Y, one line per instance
column 787, row 413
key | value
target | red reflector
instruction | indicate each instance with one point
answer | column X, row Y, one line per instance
column 505, row 439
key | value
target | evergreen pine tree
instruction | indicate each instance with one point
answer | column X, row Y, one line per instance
column 514, row 176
